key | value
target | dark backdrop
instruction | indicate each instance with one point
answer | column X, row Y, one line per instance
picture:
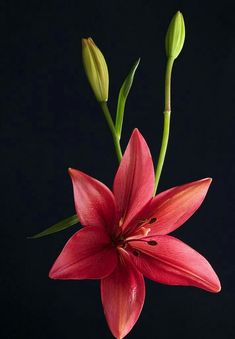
column 50, row 121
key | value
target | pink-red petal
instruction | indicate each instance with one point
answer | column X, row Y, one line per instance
column 173, row 262
column 94, row 202
column 123, row 294
column 134, row 181
column 175, row 206
column 88, row 254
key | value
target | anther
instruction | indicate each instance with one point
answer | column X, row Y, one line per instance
column 120, row 222
column 136, row 253
column 152, row 243
column 152, row 220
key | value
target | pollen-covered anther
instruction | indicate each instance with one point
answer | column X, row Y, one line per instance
column 136, row 253
column 152, row 243
column 152, row 220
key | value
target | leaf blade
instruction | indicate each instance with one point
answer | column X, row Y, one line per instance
column 123, row 94
column 59, row 226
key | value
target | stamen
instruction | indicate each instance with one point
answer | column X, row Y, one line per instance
column 152, row 220
column 141, row 222
column 136, row 253
column 140, row 233
column 143, row 232
column 149, row 242
column 121, row 222
column 152, row 243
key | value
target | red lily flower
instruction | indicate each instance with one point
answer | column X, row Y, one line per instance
column 125, row 237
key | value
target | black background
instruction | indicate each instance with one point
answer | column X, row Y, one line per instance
column 51, row 121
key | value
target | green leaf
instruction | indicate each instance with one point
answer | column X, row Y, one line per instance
column 123, row 94
column 60, row 226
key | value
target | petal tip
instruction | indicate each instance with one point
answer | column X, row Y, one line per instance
column 75, row 174
column 217, row 288
column 51, row 274
column 203, row 183
column 209, row 180
column 206, row 181
column 136, row 130
column 71, row 170
column 136, row 133
column 214, row 285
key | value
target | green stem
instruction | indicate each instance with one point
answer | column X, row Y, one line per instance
column 109, row 120
column 166, row 126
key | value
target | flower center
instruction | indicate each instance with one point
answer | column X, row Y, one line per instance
column 140, row 234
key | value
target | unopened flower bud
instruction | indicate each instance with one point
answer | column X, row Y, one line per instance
column 175, row 36
column 96, row 69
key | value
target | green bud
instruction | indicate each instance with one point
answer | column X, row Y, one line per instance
column 175, row 36
column 96, row 69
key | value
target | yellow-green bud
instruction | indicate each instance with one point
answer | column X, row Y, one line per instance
column 96, row 69
column 175, row 36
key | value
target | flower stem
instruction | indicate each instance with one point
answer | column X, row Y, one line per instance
column 109, row 120
column 166, row 126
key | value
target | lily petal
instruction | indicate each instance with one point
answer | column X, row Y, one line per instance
column 175, row 206
column 173, row 262
column 123, row 294
column 87, row 255
column 94, row 202
column 134, row 181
